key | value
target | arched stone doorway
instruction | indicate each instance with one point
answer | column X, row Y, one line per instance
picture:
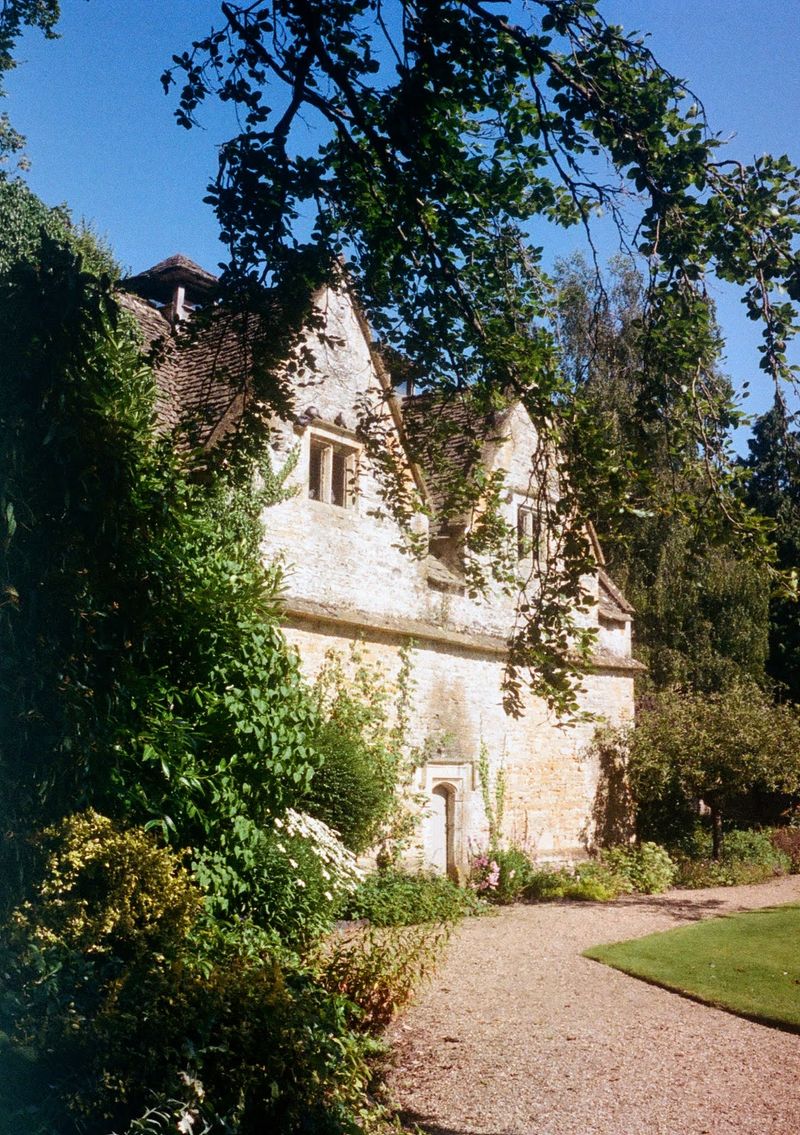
column 442, row 829
column 448, row 790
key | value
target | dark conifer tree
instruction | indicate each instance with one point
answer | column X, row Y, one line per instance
column 773, row 489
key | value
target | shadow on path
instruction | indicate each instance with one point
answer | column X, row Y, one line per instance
column 676, row 906
column 414, row 1121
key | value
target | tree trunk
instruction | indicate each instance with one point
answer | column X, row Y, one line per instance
column 717, row 839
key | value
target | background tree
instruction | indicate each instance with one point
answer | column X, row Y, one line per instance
column 718, row 748
column 701, row 602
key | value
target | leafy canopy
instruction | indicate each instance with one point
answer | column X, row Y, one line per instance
column 718, row 747
column 430, row 144
column 702, row 604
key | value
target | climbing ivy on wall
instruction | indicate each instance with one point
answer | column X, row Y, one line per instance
column 142, row 670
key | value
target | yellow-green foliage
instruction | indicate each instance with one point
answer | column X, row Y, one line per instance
column 95, row 966
column 125, row 998
column 104, row 888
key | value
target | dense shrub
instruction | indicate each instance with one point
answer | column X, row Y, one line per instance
column 293, row 883
column 273, row 1047
column 588, row 882
column 756, row 848
column 352, row 792
column 599, row 882
column 647, row 867
column 500, row 875
column 398, row 898
column 748, row 857
column 547, row 884
column 93, row 967
column 618, row 871
column 360, row 740
column 506, row 875
column 127, row 994
column 141, row 633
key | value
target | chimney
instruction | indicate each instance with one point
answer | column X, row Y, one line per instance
column 177, row 308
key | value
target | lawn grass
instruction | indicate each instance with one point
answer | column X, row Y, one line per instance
column 747, row 963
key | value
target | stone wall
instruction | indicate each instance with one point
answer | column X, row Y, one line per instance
column 349, row 574
column 457, row 706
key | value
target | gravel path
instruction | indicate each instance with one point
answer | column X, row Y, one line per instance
column 520, row 1035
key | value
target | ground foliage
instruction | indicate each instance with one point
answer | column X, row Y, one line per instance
column 451, row 134
column 378, row 968
column 749, row 856
column 393, row 897
column 134, row 1003
column 511, row 874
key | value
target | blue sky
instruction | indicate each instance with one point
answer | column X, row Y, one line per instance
column 101, row 136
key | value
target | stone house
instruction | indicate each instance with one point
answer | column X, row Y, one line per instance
column 350, row 576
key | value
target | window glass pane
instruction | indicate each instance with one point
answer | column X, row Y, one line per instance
column 526, row 531
column 339, row 478
column 315, row 471
column 331, row 472
column 350, row 484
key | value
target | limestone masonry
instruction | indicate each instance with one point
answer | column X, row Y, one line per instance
column 351, row 576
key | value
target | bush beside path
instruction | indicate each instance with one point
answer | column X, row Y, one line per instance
column 520, row 1035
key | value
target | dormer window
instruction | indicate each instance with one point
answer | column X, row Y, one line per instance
column 332, row 472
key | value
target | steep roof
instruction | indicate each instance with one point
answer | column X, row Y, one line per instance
column 160, row 350
column 447, row 436
column 201, row 369
column 613, row 604
column 214, row 365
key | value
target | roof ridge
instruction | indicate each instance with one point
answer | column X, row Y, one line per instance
column 176, row 260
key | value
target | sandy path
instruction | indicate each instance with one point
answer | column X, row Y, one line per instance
column 520, row 1035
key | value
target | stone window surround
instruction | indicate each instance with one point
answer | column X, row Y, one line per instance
column 524, row 505
column 333, row 442
column 531, row 540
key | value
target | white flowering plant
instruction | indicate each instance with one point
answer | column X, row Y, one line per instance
column 291, row 880
column 338, row 864
column 308, row 873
